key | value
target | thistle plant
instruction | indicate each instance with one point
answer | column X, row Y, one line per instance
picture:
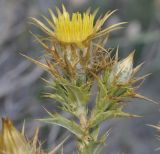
column 78, row 62
column 14, row 142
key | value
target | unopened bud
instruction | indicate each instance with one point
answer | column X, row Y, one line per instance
column 122, row 70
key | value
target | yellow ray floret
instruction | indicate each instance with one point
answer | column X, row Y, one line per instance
column 76, row 28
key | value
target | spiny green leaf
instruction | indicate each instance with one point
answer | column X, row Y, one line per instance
column 55, row 97
column 120, row 91
column 102, row 116
column 95, row 132
column 80, row 95
column 64, row 122
column 70, row 93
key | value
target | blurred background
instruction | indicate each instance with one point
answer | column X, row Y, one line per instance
column 21, row 87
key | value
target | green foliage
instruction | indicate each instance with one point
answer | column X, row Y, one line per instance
column 64, row 122
column 71, row 97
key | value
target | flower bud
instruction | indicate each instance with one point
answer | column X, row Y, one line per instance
column 122, row 70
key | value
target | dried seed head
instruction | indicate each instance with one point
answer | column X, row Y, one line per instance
column 12, row 141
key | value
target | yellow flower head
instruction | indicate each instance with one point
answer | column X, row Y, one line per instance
column 74, row 30
column 77, row 28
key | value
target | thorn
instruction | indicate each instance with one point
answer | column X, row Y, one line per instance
column 23, row 127
column 154, row 126
column 137, row 68
column 145, row 98
column 116, row 56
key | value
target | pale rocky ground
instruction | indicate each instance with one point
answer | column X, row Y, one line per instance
column 21, row 86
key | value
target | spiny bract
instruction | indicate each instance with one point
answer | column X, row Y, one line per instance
column 14, row 142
